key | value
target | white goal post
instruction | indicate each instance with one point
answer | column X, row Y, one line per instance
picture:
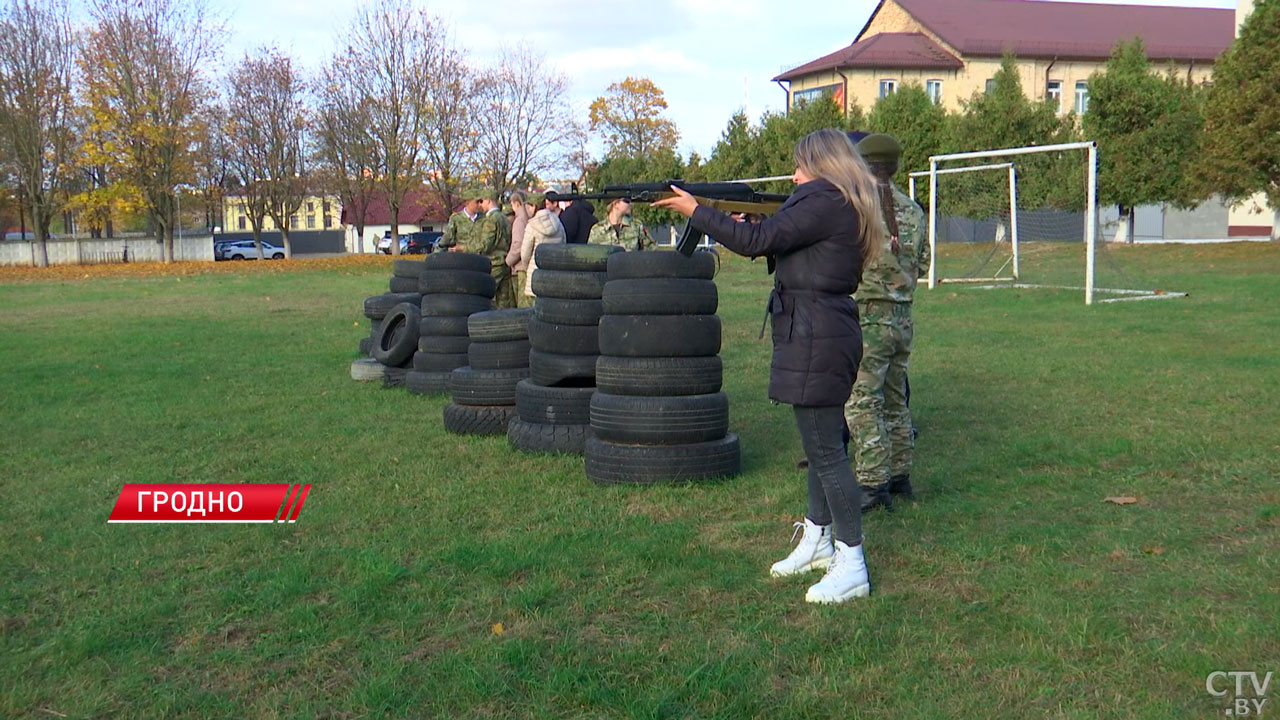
column 1013, row 260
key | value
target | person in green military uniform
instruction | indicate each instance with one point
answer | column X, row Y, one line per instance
column 620, row 229
column 493, row 239
column 877, row 414
column 464, row 223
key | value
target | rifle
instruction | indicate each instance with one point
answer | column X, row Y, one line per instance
column 731, row 197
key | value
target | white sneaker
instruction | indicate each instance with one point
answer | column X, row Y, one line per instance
column 846, row 578
column 813, row 553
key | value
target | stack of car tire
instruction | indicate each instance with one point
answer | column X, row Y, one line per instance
column 453, row 286
column 658, row 413
column 554, row 404
column 393, row 327
column 484, row 390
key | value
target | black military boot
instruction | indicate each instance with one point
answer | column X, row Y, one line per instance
column 873, row 498
column 901, row 485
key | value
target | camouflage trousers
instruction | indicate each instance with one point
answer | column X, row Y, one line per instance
column 522, row 300
column 877, row 415
column 505, row 296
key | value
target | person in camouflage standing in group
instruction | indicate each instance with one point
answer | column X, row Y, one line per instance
column 620, row 228
column 877, row 414
column 462, row 226
column 493, row 239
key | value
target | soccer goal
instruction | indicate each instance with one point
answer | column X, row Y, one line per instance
column 1022, row 217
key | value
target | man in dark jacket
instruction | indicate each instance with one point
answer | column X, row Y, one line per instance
column 577, row 218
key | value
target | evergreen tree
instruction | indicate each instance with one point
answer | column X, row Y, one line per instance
column 917, row 122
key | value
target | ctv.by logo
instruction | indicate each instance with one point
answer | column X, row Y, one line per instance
column 1250, row 695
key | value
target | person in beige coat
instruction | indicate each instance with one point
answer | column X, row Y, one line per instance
column 544, row 227
column 521, row 211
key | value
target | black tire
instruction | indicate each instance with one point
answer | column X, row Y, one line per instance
column 398, row 336
column 553, row 370
column 661, row 420
column 534, row 438
column 278, row 256
column 477, row 420
column 465, row 282
column 443, row 344
column 659, row 375
column 377, row 307
column 366, row 346
column 660, row 296
column 403, row 285
column 408, row 269
column 659, row 335
column 393, row 377
column 553, row 405
column 486, row 387
column 438, row 362
column 454, row 304
column 456, row 261
column 427, row 383
column 568, row 312
column 568, row 285
column 564, row 339
column 366, row 369
column 610, row 463
column 576, row 257
column 444, row 326
column 661, row 264
column 499, row 355
column 499, row 325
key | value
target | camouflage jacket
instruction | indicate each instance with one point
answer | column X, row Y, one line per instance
column 902, row 260
column 459, row 230
column 631, row 235
column 492, row 237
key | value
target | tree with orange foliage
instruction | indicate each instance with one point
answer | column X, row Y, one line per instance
column 629, row 118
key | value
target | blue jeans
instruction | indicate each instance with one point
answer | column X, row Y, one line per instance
column 834, row 495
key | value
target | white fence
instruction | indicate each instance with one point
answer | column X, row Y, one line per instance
column 115, row 250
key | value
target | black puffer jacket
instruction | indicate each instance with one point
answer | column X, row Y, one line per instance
column 577, row 220
column 814, row 239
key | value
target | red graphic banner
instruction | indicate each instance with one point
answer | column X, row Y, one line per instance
column 209, row 503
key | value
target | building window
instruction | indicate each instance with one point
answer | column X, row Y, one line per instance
column 991, row 85
column 328, row 221
column 934, row 89
column 311, row 207
column 293, row 222
column 241, row 222
column 1082, row 97
column 325, row 205
column 311, row 222
column 1053, row 93
column 888, row 87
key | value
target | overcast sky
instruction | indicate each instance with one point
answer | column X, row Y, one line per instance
column 710, row 57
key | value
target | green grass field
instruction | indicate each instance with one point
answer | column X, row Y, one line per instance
column 436, row 576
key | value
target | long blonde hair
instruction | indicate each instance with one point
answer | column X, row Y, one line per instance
column 828, row 154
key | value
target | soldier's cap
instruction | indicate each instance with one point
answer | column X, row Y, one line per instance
column 472, row 194
column 484, row 194
column 855, row 136
column 880, row 148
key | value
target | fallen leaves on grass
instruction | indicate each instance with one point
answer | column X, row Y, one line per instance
column 180, row 269
column 1121, row 500
column 1117, row 554
column 1153, row 550
column 497, row 629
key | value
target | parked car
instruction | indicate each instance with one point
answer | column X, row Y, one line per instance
column 384, row 245
column 422, row 243
column 246, row 250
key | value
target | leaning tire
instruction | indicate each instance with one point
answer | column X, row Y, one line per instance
column 366, row 346
column 393, row 377
column 366, row 369
column 568, row 285
column 377, row 307
column 564, row 339
column 456, row 261
column 552, row 369
column 398, row 336
column 427, row 383
column 568, row 312
column 661, row 264
column 499, row 325
column 454, row 304
column 576, row 257
column 660, row 296
column 610, row 463
column 663, row 420
column 438, row 362
column 659, row 335
column 403, row 285
column 465, row 282
column 443, row 325
column 498, row 355
column 475, row 420
column 659, row 375
column 534, row 438
column 486, row 387
column 408, row 269
column 553, row 405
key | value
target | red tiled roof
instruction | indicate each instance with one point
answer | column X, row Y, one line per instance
column 886, row 50
column 417, row 207
column 1034, row 29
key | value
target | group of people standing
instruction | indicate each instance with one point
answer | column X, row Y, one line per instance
column 847, row 249
column 509, row 236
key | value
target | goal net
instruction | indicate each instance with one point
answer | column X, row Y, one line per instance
column 1023, row 217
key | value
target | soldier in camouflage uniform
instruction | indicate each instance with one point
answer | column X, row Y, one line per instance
column 463, row 224
column 493, row 239
column 621, row 229
column 877, row 414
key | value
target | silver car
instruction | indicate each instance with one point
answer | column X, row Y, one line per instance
column 245, row 250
